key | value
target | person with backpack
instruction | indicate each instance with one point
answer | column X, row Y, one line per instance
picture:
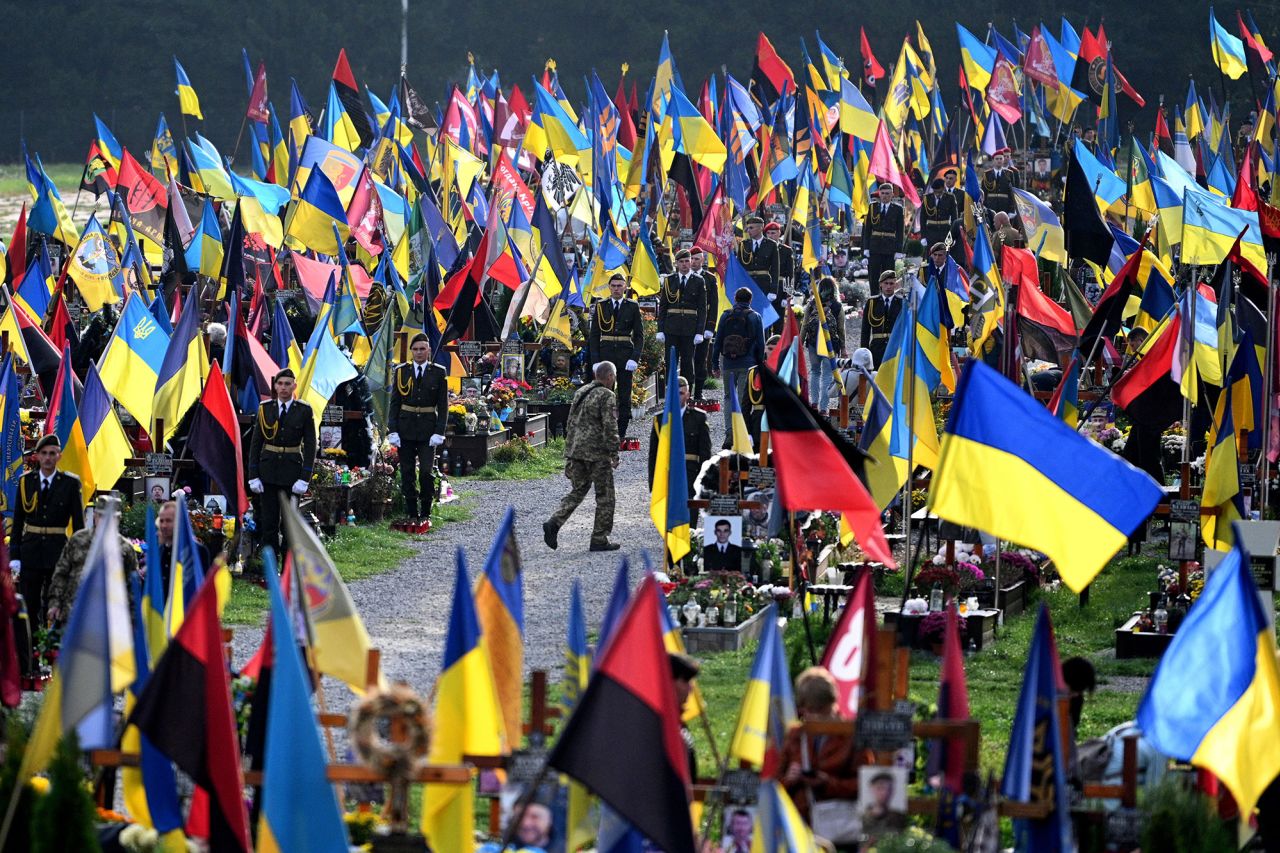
column 738, row 347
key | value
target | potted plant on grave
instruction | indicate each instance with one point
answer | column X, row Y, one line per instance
column 932, row 630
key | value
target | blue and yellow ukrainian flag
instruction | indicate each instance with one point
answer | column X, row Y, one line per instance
column 188, row 102
column 186, row 573
column 153, row 593
column 104, row 435
column 47, row 215
column 1011, row 468
column 669, row 499
column 204, row 252
column 338, row 128
column 1210, row 229
column 778, row 825
column 553, row 128
column 1228, row 50
column 35, row 291
column 316, row 213
column 694, row 135
column 1065, row 402
column 768, row 706
column 739, row 434
column 468, row 721
column 95, row 660
column 1222, row 479
column 70, row 432
column 108, row 145
column 500, row 607
column 912, row 434
column 1215, row 697
column 12, row 450
column 299, row 808
column 1193, row 114
column 181, row 378
column 579, row 828
column 978, row 59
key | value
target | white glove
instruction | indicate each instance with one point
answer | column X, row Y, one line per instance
column 708, row 335
column 394, row 439
column 773, row 297
column 631, row 364
column 924, row 242
column 255, row 486
column 661, row 337
column 437, row 440
column 697, row 339
column 299, row 487
column 866, row 253
column 15, row 565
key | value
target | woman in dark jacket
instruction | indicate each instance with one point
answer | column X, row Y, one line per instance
column 820, row 373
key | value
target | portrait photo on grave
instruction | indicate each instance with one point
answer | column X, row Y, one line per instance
column 882, row 800
column 738, row 824
column 1182, row 540
column 157, row 489
column 722, row 543
column 513, row 367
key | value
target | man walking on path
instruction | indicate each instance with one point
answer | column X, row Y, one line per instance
column 591, row 455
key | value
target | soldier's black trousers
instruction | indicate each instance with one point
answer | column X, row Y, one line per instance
column 419, row 455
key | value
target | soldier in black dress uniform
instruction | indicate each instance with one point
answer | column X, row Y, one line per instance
column 879, row 315
column 997, row 187
column 416, row 421
column 682, row 312
column 882, row 233
column 937, row 214
column 48, row 501
column 702, row 352
column 760, row 257
column 786, row 257
column 281, row 454
column 616, row 334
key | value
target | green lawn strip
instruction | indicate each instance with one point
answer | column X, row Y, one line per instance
column 65, row 176
column 538, row 462
column 358, row 552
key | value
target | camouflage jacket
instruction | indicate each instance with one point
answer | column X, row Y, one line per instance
column 592, row 432
column 65, row 580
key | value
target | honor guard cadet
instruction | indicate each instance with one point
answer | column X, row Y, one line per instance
column 416, row 420
column 48, row 501
column 682, row 312
column 702, row 352
column 997, row 187
column 616, row 334
column 281, row 454
column 882, row 232
column 786, row 257
column 760, row 257
column 879, row 315
column 937, row 214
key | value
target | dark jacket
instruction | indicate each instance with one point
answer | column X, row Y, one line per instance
column 763, row 263
column 682, row 310
column 697, row 444
column 835, row 325
column 739, row 339
column 936, row 218
column 711, row 285
column 282, row 452
column 419, row 407
column 591, row 435
column 882, row 230
column 997, row 191
column 50, row 513
column 877, row 323
column 714, row 561
column 615, row 336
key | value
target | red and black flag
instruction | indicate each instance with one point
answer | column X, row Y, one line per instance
column 185, row 711
column 146, row 199
column 872, row 70
column 1147, row 392
column 818, row 468
column 215, row 439
column 1107, row 314
column 1091, row 67
column 770, row 75
column 99, row 175
column 629, row 714
column 460, row 295
column 349, row 93
column 61, row 329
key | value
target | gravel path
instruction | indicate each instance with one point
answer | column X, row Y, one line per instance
column 406, row 610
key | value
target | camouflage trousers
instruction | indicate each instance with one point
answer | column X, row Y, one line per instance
column 582, row 475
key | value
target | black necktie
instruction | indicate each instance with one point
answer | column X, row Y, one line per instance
column 284, row 409
column 44, row 487
column 616, row 306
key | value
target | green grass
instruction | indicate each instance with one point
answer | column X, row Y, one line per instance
column 545, row 461
column 358, row 552
column 65, row 176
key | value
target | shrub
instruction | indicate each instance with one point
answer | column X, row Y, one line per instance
column 515, row 450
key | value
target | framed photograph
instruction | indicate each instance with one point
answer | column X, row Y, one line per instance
column 722, row 543
column 882, row 800
column 1182, row 540
column 738, row 824
column 471, row 387
column 513, row 367
column 158, row 489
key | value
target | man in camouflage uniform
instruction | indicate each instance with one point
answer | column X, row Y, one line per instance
column 591, row 454
column 65, row 581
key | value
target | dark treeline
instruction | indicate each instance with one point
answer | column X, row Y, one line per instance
column 65, row 60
